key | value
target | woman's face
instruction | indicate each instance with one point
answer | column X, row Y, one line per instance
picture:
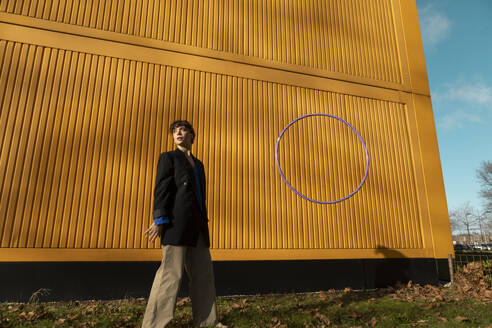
column 182, row 136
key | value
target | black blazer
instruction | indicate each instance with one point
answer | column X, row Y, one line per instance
column 176, row 197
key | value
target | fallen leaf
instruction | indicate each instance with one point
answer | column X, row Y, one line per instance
column 30, row 315
column 183, row 301
column 374, row 322
column 91, row 308
column 74, row 317
column 41, row 315
column 241, row 304
column 15, row 309
column 461, row 319
column 279, row 325
column 323, row 318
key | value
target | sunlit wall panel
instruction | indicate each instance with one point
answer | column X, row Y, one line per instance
column 81, row 134
column 352, row 37
column 88, row 89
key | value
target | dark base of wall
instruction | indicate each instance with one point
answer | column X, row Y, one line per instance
column 116, row 280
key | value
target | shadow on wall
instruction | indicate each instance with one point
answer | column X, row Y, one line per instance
column 390, row 270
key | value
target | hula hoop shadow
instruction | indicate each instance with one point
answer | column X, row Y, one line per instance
column 303, row 196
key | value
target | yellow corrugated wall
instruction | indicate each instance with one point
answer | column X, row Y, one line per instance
column 88, row 89
column 348, row 36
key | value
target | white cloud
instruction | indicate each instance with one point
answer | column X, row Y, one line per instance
column 435, row 25
column 458, row 119
column 474, row 93
column 472, row 100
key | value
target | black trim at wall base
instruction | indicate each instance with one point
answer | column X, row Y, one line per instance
column 116, row 280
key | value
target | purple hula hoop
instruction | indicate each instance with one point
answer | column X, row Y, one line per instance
column 305, row 197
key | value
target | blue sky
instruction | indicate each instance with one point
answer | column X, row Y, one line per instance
column 457, row 37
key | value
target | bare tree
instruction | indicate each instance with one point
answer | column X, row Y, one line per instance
column 488, row 229
column 481, row 218
column 484, row 220
column 484, row 175
column 463, row 216
column 456, row 226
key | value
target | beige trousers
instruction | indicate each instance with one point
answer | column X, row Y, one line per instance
column 162, row 300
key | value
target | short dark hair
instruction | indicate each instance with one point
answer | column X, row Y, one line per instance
column 185, row 124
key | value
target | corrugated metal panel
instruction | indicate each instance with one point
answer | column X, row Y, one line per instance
column 71, row 161
column 352, row 37
column 80, row 135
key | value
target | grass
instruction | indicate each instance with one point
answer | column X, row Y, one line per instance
column 467, row 303
column 375, row 308
column 352, row 309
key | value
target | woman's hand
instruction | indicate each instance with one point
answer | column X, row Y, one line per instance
column 153, row 231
